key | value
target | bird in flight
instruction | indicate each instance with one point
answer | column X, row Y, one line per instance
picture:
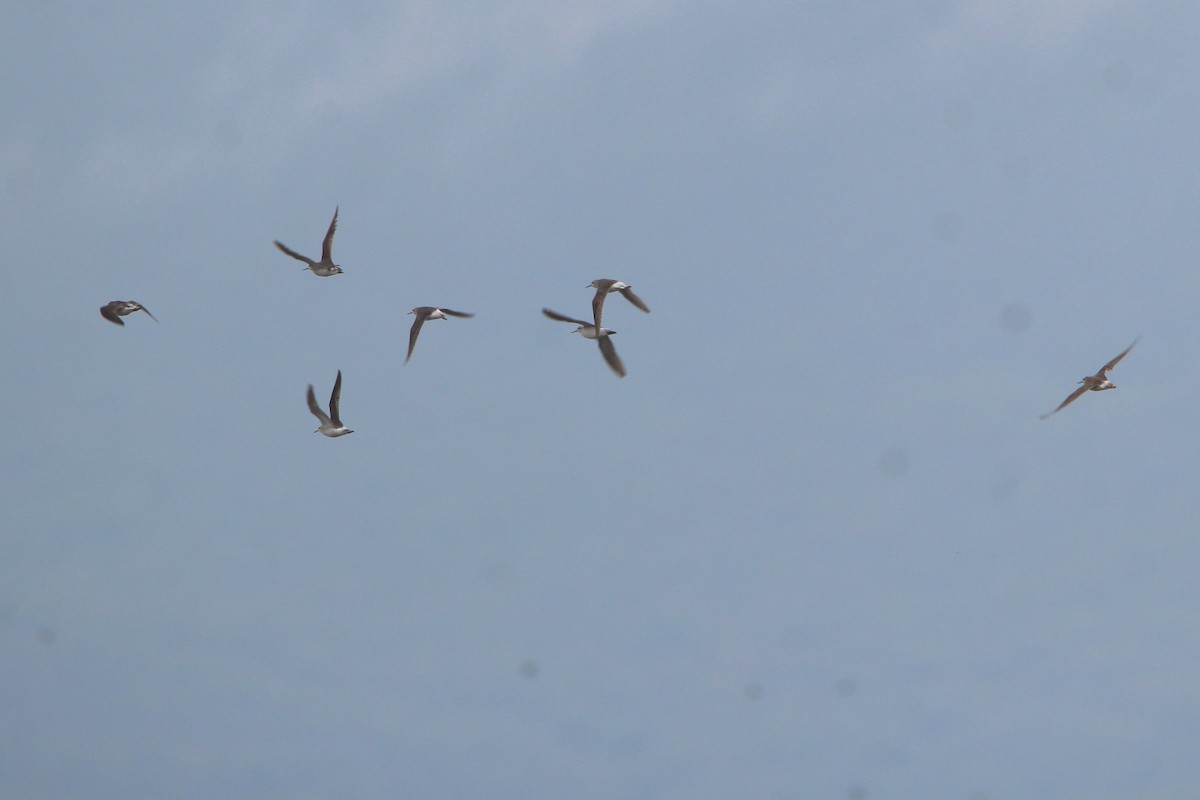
column 423, row 313
column 605, row 285
column 325, row 267
column 1095, row 383
column 122, row 308
column 603, row 337
column 331, row 424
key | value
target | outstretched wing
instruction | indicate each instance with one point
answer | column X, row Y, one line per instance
column 1070, row 399
column 610, row 354
column 598, row 300
column 1104, row 370
column 335, row 401
column 421, row 315
column 561, row 318
column 143, row 308
column 293, row 253
column 109, row 312
column 456, row 313
column 633, row 298
column 327, row 245
column 314, row 408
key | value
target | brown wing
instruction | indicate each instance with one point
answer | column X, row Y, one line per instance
column 109, row 312
column 335, row 401
column 314, row 408
column 561, row 318
column 327, row 245
column 1104, row 370
column 456, row 313
column 143, row 308
column 610, row 355
column 633, row 298
column 598, row 300
column 422, row 313
column 1070, row 399
column 292, row 253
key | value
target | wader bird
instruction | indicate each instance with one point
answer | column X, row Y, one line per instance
column 122, row 308
column 1095, row 383
column 603, row 337
column 325, row 267
column 331, row 425
column 423, row 313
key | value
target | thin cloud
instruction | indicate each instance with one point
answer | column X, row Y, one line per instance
column 271, row 86
column 1033, row 21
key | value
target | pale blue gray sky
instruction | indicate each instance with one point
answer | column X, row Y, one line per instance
column 816, row 544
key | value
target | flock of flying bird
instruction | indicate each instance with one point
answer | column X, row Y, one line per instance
column 331, row 423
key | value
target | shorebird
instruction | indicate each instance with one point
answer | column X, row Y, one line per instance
column 122, row 308
column 603, row 287
column 331, row 425
column 423, row 313
column 603, row 337
column 325, row 267
column 1095, row 383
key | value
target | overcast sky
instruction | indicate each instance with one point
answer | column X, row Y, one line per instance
column 816, row 544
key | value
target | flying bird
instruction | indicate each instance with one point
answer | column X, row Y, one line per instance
column 1095, row 383
column 325, row 267
column 331, row 425
column 603, row 337
column 423, row 313
column 122, row 308
column 603, row 287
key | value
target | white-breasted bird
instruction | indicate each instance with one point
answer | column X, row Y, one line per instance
column 603, row 337
column 122, row 308
column 423, row 313
column 1095, row 383
column 331, row 424
column 325, row 267
column 603, row 287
